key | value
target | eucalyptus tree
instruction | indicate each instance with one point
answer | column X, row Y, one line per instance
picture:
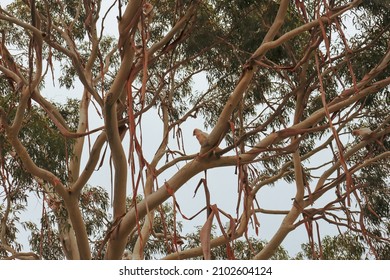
column 285, row 82
column 342, row 247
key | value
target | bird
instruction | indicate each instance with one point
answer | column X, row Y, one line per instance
column 203, row 139
column 201, row 136
column 367, row 134
column 363, row 132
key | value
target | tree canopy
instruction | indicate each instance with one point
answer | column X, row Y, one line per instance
column 289, row 91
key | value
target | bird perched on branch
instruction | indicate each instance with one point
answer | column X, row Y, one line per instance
column 367, row 134
column 201, row 136
column 363, row 132
column 203, row 139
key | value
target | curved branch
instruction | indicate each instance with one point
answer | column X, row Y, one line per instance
column 91, row 164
